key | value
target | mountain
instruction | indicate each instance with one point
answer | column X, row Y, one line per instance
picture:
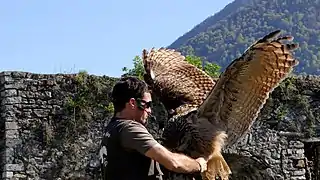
column 224, row 36
column 230, row 8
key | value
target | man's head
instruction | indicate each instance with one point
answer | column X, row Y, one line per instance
column 132, row 99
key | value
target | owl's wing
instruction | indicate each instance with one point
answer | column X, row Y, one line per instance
column 242, row 90
column 179, row 85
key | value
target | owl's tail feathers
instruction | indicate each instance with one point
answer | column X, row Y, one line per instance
column 217, row 166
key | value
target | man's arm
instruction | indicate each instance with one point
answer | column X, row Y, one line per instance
column 175, row 162
column 136, row 136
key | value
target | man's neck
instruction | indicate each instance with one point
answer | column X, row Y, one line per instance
column 123, row 115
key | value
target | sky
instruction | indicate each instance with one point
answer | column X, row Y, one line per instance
column 99, row 36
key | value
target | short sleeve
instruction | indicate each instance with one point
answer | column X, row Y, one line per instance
column 135, row 136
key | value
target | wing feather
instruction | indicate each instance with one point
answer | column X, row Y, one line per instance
column 242, row 90
column 179, row 85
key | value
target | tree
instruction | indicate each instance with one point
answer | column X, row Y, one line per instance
column 137, row 70
column 211, row 69
column 194, row 60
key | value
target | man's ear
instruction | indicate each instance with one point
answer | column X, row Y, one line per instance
column 132, row 103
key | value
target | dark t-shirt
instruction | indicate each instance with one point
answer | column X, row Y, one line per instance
column 125, row 143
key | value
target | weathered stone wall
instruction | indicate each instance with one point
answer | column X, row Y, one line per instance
column 276, row 141
column 278, row 155
column 39, row 140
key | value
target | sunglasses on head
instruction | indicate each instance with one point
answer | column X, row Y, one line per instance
column 143, row 104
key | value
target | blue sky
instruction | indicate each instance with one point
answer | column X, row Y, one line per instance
column 101, row 37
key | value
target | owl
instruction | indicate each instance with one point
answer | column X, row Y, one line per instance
column 207, row 114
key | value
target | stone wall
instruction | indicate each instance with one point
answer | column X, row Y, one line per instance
column 276, row 142
column 39, row 140
column 278, row 155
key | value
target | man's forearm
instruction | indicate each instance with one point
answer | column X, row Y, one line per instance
column 184, row 164
column 173, row 161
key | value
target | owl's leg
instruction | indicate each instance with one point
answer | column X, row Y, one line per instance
column 217, row 167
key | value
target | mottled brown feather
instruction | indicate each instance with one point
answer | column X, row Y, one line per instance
column 242, row 90
column 179, row 85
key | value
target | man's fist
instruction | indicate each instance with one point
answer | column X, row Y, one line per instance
column 203, row 164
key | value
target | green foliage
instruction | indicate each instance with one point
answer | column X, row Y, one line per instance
column 137, row 70
column 288, row 101
column 210, row 68
column 90, row 103
column 224, row 36
column 194, row 60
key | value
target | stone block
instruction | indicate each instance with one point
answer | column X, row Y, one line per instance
column 300, row 151
column 18, row 74
column 5, row 78
column 22, row 93
column 41, row 112
column 8, row 152
column 32, row 101
column 11, row 100
column 297, row 156
column 8, row 159
column 296, row 145
column 11, row 125
column 14, row 167
column 10, row 119
column 275, row 155
column 7, row 174
column 299, row 172
column 12, row 134
column 6, row 108
column 297, row 178
column 8, row 115
column 20, row 176
column 9, row 93
column 20, row 86
column 12, row 142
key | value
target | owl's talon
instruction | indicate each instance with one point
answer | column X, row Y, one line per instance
column 217, row 167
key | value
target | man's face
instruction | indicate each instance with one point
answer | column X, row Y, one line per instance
column 142, row 114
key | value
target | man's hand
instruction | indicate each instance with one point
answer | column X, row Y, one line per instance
column 203, row 164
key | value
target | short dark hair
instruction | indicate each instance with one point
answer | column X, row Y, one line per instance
column 126, row 88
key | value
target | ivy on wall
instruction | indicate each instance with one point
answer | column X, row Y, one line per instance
column 90, row 102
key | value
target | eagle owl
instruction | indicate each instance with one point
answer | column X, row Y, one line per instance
column 209, row 114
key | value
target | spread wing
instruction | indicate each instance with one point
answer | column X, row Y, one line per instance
column 179, row 85
column 242, row 90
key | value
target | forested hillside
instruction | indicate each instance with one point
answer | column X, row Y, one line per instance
column 224, row 36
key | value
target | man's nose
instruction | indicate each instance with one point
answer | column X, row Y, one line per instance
column 148, row 110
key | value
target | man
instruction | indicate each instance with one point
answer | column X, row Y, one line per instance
column 131, row 151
